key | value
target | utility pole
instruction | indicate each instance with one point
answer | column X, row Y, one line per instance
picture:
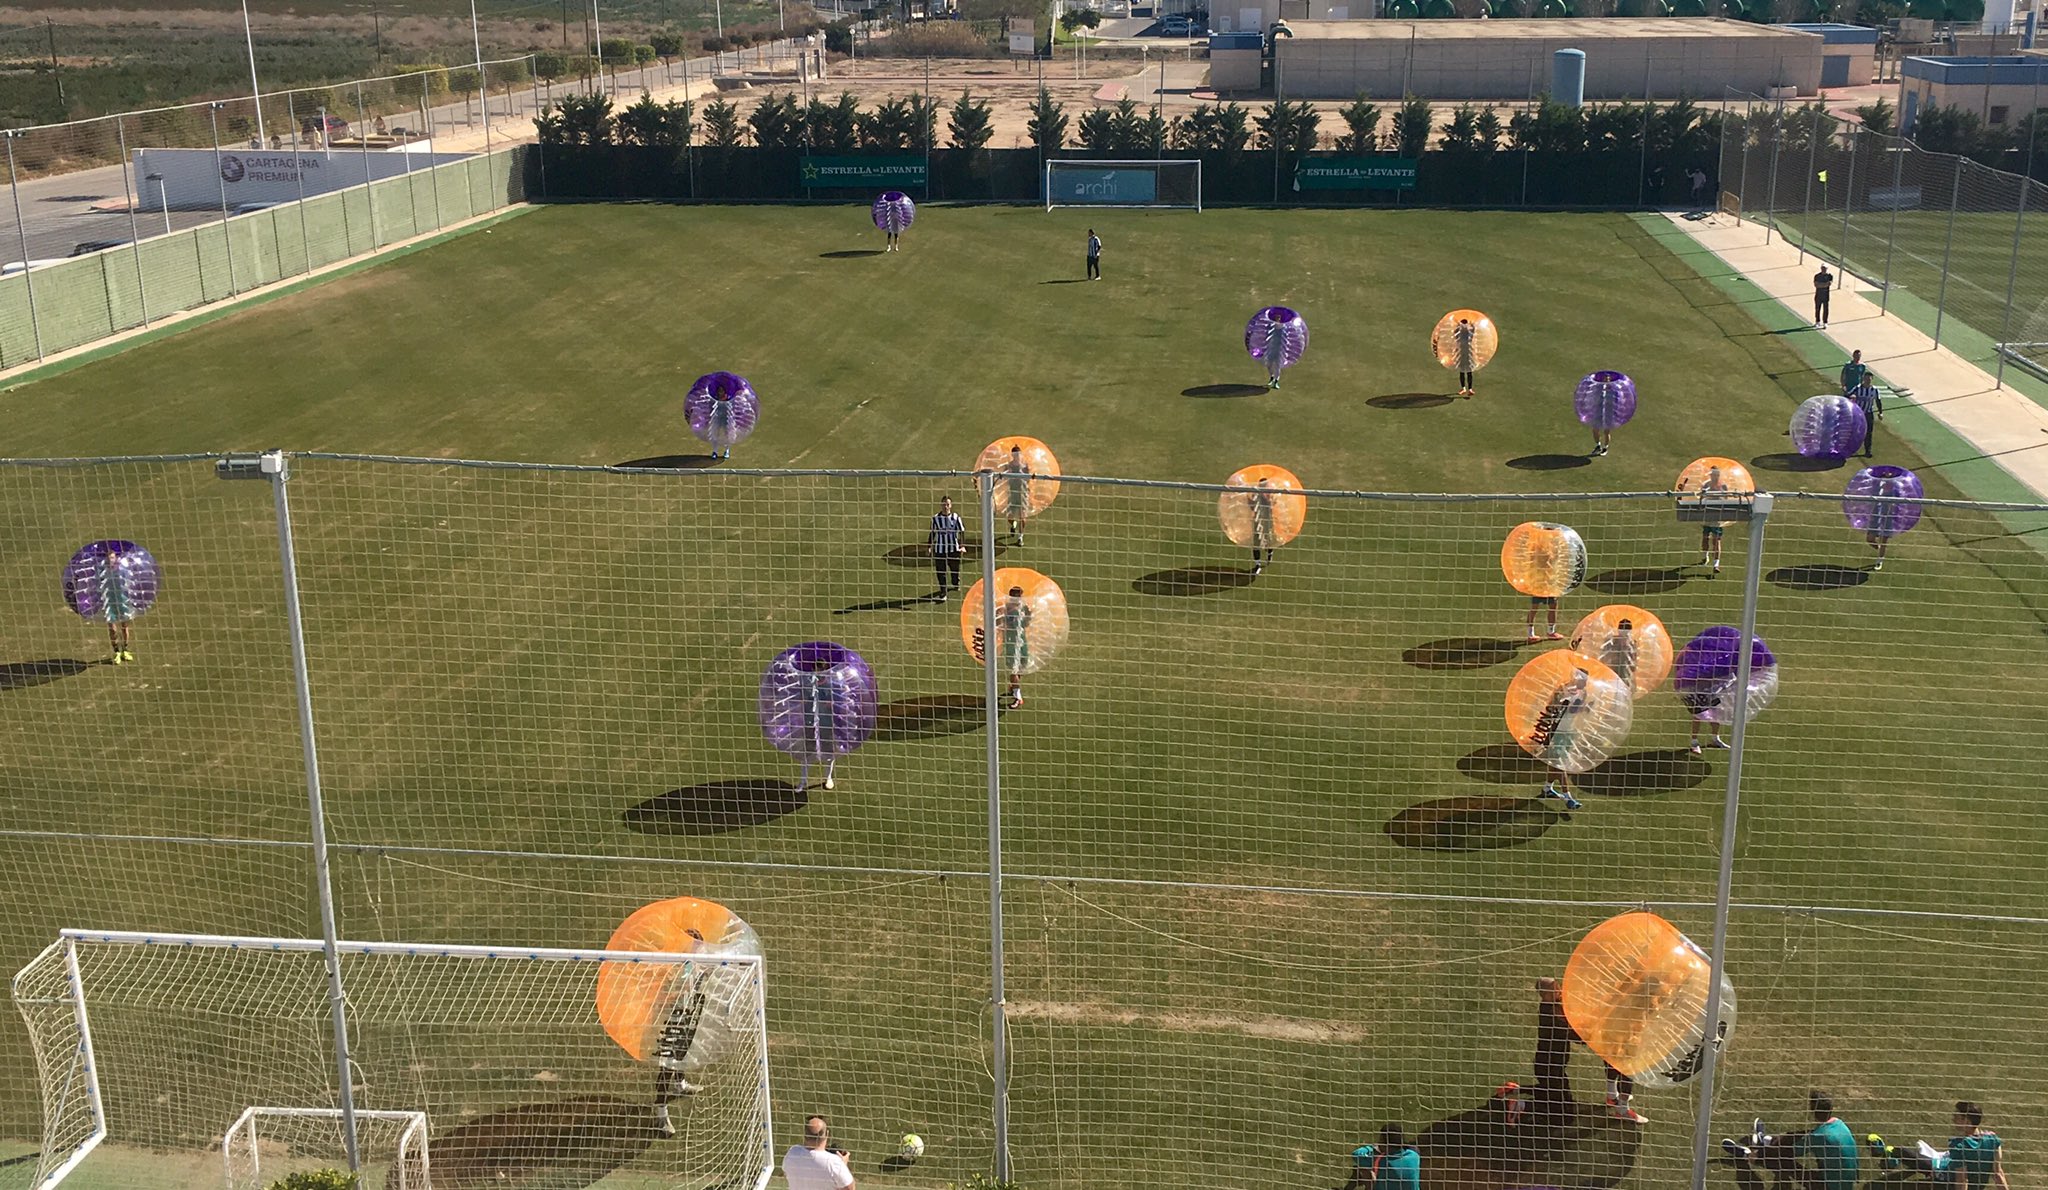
column 55, row 73
column 377, row 28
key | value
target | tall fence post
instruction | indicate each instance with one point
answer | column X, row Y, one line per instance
column 28, row 271
column 1710, row 1049
column 134, row 232
column 1812, row 164
column 1848, row 199
column 274, row 465
column 227, row 242
column 363, row 139
column 1742, row 187
column 2012, row 278
column 1891, row 237
column 999, row 1060
column 299, row 172
column 1947, row 248
column 1771, row 195
column 433, row 153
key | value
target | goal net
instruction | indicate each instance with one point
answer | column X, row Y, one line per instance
column 268, row 1143
column 166, row 1059
column 1173, row 185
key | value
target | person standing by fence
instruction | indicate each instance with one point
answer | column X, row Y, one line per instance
column 1823, row 287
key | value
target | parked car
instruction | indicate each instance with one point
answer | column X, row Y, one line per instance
column 88, row 247
column 1175, row 25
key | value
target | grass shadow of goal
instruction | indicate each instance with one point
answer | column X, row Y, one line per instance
column 930, row 717
column 1461, row 652
column 716, row 808
column 1472, row 823
column 1193, row 580
column 1811, row 577
column 16, row 675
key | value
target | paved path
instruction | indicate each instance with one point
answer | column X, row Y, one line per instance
column 2003, row 424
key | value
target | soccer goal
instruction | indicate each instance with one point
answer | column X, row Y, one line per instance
column 1168, row 185
column 268, row 1143
column 160, row 1057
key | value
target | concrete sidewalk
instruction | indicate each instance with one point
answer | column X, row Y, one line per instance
column 2004, row 425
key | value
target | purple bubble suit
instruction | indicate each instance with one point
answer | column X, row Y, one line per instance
column 111, row 581
column 1706, row 671
column 1830, row 426
column 1864, row 501
column 1277, row 336
column 722, row 409
column 894, row 212
column 1605, row 400
column 818, row 701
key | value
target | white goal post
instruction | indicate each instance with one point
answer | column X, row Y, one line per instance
column 299, row 1134
column 1156, row 183
column 155, row 1052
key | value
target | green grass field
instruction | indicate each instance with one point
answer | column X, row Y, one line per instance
column 1274, row 874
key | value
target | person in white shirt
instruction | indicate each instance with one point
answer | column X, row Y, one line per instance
column 815, row 1164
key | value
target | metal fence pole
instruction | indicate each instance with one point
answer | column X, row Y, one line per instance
column 1742, row 186
column 134, row 232
column 1812, row 164
column 362, row 138
column 1891, row 237
column 1760, row 514
column 2012, row 277
column 1771, row 195
column 1848, row 200
column 28, row 272
column 1941, row 295
column 299, row 172
column 276, row 467
column 999, row 1064
column 226, row 241
column 433, row 154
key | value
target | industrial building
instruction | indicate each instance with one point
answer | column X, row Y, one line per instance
column 1658, row 58
column 2000, row 90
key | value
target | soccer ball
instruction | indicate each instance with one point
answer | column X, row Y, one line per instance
column 911, row 1147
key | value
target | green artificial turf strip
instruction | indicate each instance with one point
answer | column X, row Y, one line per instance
column 518, row 661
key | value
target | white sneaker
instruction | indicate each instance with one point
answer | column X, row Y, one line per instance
column 1722, row 744
column 1695, row 748
column 1932, row 1154
column 828, row 783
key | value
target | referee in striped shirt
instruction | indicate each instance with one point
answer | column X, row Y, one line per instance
column 1871, row 402
column 947, row 546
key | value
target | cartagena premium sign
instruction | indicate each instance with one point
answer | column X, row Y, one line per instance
column 861, row 172
column 1355, row 173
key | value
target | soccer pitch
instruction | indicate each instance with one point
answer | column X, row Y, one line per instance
column 1274, row 873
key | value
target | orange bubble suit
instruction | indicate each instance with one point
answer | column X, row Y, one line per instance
column 1713, row 474
column 1027, row 476
column 1466, row 350
column 1569, row 711
column 638, row 1002
column 1031, row 623
column 1636, row 990
column 1544, row 560
column 1639, row 654
column 1259, row 517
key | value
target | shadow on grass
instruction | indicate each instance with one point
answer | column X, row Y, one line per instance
column 1193, row 580
column 1504, row 764
column 1460, row 652
column 894, row 1163
column 920, row 554
column 1587, row 1149
column 889, row 605
column 1786, row 460
column 1224, row 390
column 16, row 674
column 1817, row 577
column 1064, row 281
column 1639, row 581
column 1409, row 400
column 1472, row 823
column 849, row 254
column 671, row 463
column 562, row 1145
column 715, row 808
column 1549, row 462
column 1636, row 774
column 929, row 717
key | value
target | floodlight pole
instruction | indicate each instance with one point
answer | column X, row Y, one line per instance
column 991, row 650
column 274, row 466
column 255, row 89
column 1900, row 148
column 2012, row 276
column 1948, row 247
column 1710, row 1049
column 483, row 86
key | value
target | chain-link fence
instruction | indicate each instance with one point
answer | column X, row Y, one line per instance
column 118, row 223
column 1248, row 869
column 1955, row 247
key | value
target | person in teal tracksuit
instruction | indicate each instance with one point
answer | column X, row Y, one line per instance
column 1972, row 1161
column 1392, row 1164
column 1829, row 1145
